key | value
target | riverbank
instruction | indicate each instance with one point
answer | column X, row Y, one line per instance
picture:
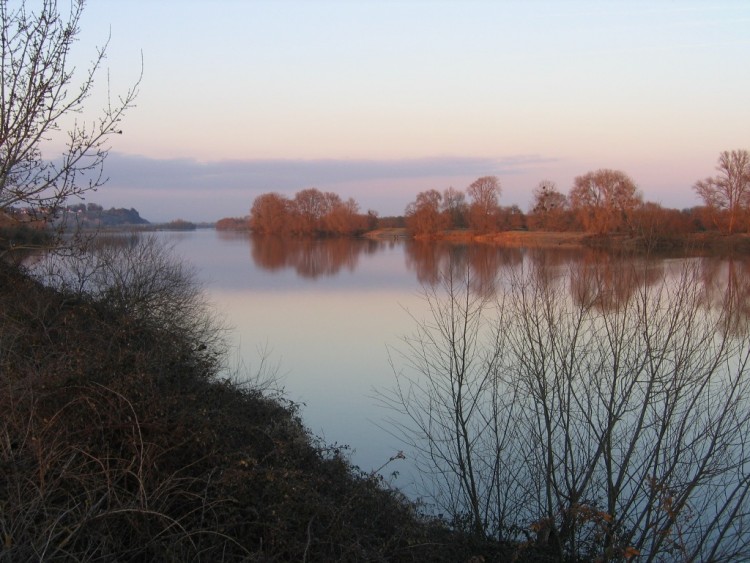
column 705, row 241
column 121, row 438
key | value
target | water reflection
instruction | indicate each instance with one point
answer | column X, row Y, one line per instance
column 726, row 284
column 430, row 259
column 331, row 309
column 310, row 258
column 608, row 281
column 595, row 278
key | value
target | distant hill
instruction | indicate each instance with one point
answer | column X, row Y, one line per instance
column 92, row 215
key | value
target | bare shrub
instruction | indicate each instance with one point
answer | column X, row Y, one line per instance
column 118, row 441
column 142, row 279
column 599, row 432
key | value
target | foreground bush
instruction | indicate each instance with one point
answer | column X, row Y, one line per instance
column 119, row 442
column 604, row 410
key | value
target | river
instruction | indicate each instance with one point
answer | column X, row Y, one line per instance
column 330, row 313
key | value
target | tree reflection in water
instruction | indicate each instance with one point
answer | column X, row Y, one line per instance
column 726, row 283
column 308, row 257
column 602, row 406
column 598, row 278
column 618, row 402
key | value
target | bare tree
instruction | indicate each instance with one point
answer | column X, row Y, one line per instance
column 618, row 430
column 546, row 197
column 454, row 206
column 484, row 193
column 38, row 94
column 423, row 216
column 310, row 206
column 729, row 191
column 548, row 206
column 604, row 200
column 141, row 277
column 455, row 416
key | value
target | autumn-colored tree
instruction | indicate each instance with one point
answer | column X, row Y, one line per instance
column 455, row 207
column 270, row 214
column 549, row 208
column 372, row 219
column 309, row 208
column 232, row 224
column 511, row 218
column 604, row 200
column 423, row 216
column 728, row 193
column 699, row 218
column 653, row 221
column 344, row 218
column 310, row 213
column 483, row 211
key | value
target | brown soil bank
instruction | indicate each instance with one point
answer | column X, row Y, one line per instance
column 536, row 239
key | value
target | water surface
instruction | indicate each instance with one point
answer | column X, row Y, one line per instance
column 330, row 310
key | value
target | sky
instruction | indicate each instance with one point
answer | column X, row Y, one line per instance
column 379, row 100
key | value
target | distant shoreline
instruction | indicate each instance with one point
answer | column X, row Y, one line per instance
column 711, row 241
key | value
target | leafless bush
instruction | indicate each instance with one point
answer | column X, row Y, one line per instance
column 142, row 279
column 601, row 432
column 121, row 440
column 456, row 417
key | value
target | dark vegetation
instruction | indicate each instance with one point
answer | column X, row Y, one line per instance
column 604, row 409
column 178, row 225
column 89, row 216
column 120, row 439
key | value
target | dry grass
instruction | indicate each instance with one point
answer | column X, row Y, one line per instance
column 118, row 442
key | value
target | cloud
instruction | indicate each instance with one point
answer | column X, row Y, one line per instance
column 164, row 189
column 279, row 174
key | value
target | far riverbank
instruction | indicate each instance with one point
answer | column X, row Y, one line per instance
column 709, row 241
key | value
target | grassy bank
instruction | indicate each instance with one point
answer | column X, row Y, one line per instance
column 118, row 441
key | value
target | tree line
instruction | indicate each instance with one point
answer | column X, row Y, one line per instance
column 600, row 202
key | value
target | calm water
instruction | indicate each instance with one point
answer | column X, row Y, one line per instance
column 328, row 311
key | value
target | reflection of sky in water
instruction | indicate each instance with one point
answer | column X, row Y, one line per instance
column 329, row 334
column 332, row 347
column 225, row 261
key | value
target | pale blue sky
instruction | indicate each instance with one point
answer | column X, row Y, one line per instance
column 380, row 100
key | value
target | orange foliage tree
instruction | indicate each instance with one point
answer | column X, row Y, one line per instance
column 424, row 217
column 727, row 194
column 604, row 200
column 310, row 213
column 270, row 214
column 483, row 211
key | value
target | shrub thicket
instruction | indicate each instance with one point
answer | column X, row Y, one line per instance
column 119, row 441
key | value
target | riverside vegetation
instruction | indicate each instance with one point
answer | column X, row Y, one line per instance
column 120, row 439
column 606, row 432
column 603, row 407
